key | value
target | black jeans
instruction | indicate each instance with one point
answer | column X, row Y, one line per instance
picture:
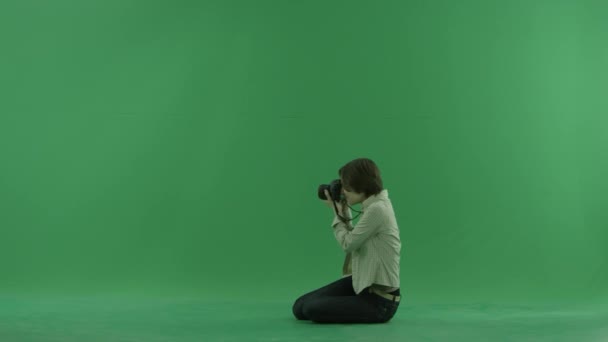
column 338, row 303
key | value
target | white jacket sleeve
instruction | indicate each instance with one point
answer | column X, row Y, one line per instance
column 368, row 225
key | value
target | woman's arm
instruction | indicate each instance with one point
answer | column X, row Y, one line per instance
column 351, row 240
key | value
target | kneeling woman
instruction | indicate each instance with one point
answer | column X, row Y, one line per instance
column 369, row 291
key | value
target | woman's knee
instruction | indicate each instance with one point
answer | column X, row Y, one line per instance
column 313, row 310
column 298, row 309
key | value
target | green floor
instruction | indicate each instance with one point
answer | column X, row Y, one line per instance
column 90, row 319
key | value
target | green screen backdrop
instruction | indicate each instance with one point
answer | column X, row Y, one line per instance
column 176, row 147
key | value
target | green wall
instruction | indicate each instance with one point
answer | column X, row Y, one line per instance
column 177, row 147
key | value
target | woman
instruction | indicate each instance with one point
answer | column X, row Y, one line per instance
column 369, row 291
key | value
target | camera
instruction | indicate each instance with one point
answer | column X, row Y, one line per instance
column 334, row 188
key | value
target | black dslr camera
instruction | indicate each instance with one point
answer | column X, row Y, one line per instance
column 334, row 188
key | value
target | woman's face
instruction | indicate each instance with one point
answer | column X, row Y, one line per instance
column 352, row 197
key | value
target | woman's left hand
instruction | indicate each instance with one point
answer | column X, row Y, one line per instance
column 330, row 202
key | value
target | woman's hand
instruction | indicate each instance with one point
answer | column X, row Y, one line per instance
column 330, row 202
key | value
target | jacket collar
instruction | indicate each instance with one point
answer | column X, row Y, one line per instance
column 374, row 198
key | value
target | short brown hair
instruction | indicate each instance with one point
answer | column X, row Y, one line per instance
column 361, row 175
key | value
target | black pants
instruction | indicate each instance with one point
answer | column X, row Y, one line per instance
column 338, row 303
